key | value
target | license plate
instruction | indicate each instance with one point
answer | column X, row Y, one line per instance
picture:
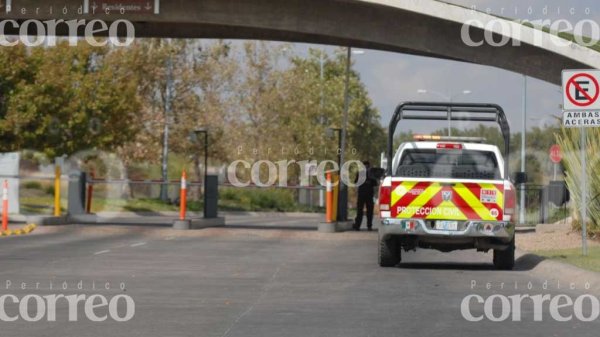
column 446, row 225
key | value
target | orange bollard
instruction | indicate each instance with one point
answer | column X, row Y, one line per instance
column 183, row 196
column 90, row 193
column 329, row 199
column 5, row 205
column 335, row 180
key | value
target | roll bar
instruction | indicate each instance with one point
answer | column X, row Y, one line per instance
column 472, row 112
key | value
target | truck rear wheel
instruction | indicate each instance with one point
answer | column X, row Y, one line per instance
column 389, row 252
column 505, row 259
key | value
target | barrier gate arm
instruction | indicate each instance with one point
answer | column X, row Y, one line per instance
column 471, row 112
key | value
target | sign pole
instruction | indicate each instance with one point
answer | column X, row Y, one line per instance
column 583, row 193
column 581, row 105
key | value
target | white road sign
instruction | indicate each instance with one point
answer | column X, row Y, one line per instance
column 581, row 90
column 577, row 119
column 581, row 108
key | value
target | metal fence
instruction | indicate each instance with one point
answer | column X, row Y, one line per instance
column 538, row 206
column 36, row 195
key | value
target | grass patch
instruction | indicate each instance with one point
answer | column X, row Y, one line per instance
column 558, row 214
column 43, row 205
column 261, row 200
column 33, row 185
column 131, row 205
column 574, row 257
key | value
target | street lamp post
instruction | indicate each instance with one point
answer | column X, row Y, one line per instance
column 343, row 197
column 321, row 81
column 164, row 187
column 449, row 98
column 523, row 143
column 330, row 132
column 205, row 132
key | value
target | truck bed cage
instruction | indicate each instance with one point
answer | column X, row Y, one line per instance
column 472, row 112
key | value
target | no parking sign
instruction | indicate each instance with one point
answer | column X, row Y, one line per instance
column 581, row 108
column 581, row 90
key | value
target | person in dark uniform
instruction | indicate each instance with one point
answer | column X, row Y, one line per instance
column 365, row 198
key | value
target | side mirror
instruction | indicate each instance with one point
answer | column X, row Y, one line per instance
column 519, row 178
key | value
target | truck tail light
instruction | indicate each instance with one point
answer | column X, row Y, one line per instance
column 449, row 146
column 385, row 193
column 510, row 200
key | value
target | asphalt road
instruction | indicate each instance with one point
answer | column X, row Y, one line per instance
column 264, row 277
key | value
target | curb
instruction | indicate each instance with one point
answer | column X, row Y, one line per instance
column 560, row 271
column 26, row 230
column 524, row 229
column 270, row 214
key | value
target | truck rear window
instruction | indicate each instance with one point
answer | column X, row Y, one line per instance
column 465, row 164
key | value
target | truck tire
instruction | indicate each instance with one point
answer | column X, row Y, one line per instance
column 389, row 252
column 505, row 259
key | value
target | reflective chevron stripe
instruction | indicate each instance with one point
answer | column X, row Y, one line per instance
column 447, row 201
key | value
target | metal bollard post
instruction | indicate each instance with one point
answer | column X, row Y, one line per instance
column 90, row 193
column 211, row 197
column 76, row 197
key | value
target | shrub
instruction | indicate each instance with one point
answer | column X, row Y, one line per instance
column 32, row 185
column 569, row 140
column 259, row 199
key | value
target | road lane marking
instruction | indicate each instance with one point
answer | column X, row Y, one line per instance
column 102, row 252
column 264, row 290
column 138, row 244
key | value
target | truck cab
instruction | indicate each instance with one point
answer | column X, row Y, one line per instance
column 447, row 193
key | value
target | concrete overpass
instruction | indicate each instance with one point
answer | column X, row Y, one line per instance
column 421, row 27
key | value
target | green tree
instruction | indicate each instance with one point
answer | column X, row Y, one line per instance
column 201, row 77
column 321, row 102
column 66, row 99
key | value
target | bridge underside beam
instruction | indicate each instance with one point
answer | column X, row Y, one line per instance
column 382, row 25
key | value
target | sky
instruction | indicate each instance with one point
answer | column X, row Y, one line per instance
column 392, row 78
